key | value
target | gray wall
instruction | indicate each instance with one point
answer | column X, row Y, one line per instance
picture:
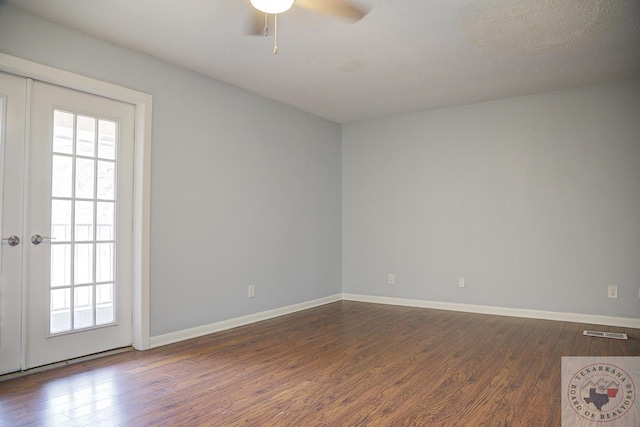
column 535, row 201
column 244, row 190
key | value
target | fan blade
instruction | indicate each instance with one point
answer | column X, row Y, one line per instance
column 256, row 23
column 339, row 8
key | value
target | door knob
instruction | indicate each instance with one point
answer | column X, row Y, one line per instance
column 12, row 240
column 36, row 239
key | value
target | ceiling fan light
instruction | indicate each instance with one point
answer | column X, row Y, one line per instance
column 272, row 6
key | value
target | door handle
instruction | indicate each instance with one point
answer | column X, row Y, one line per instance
column 36, row 239
column 12, row 240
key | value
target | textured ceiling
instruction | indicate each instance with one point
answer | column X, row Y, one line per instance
column 404, row 56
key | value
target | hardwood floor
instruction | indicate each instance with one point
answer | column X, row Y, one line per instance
column 342, row 364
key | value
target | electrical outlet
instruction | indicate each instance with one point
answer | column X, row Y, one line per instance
column 638, row 293
column 613, row 291
column 392, row 279
column 251, row 292
column 461, row 282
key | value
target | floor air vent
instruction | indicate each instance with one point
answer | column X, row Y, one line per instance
column 605, row 335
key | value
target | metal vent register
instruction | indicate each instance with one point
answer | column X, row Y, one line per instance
column 606, row 335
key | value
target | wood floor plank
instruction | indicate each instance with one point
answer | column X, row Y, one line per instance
column 345, row 363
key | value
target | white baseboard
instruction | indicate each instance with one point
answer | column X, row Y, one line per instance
column 624, row 322
column 172, row 337
column 199, row 331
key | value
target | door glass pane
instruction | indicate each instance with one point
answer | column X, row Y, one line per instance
column 83, row 307
column 86, row 144
column 104, row 304
column 62, row 176
column 61, row 220
column 84, row 221
column 60, row 265
column 83, row 207
column 62, row 132
column 60, row 310
column 105, row 220
column 84, row 178
column 106, row 180
column 83, row 260
column 104, row 262
column 107, row 140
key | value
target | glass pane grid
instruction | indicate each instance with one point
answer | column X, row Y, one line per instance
column 83, row 199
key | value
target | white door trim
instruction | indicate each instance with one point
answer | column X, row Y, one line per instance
column 141, row 175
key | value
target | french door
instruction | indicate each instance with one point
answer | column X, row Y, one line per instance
column 13, row 92
column 71, row 200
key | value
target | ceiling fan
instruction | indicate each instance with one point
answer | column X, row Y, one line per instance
column 262, row 8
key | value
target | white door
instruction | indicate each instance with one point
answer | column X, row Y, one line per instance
column 12, row 121
column 77, row 225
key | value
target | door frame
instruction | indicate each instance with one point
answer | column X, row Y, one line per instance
column 141, row 172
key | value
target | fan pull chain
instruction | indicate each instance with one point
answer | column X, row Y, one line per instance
column 275, row 34
column 266, row 25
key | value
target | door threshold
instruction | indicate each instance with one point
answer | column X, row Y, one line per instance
column 19, row 374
